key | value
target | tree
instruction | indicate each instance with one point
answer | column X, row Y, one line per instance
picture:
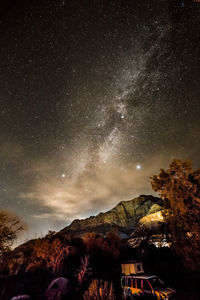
column 10, row 226
column 179, row 187
column 49, row 253
column 84, row 271
column 111, row 243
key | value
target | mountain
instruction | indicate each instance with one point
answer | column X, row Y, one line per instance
column 134, row 220
column 124, row 217
column 128, row 218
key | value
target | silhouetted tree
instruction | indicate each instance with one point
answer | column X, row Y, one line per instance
column 179, row 187
column 10, row 227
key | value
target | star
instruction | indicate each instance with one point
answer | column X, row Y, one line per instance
column 82, row 119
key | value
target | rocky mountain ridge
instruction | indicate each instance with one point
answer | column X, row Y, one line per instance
column 124, row 217
column 127, row 218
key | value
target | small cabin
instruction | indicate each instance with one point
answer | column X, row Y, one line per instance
column 132, row 267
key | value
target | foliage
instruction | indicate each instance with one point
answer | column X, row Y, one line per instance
column 179, row 187
column 105, row 253
column 10, row 226
column 110, row 244
column 48, row 253
column 99, row 290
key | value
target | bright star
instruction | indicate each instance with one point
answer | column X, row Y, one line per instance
column 122, row 116
column 138, row 167
column 63, row 175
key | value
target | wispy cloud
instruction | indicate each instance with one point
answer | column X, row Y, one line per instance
column 94, row 190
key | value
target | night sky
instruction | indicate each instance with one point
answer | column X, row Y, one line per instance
column 95, row 97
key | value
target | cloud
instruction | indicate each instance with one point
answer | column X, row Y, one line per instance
column 94, row 189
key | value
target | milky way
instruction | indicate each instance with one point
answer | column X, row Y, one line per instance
column 95, row 98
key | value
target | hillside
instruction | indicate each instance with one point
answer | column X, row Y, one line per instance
column 124, row 217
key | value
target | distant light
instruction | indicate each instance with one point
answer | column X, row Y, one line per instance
column 122, row 116
column 138, row 167
column 63, row 175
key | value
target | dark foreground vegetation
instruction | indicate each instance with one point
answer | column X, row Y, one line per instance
column 92, row 263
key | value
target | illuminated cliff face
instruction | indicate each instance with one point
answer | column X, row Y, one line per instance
column 154, row 217
column 124, row 217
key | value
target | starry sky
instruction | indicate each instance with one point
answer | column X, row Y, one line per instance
column 95, row 97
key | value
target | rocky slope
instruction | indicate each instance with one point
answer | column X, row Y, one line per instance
column 150, row 228
column 133, row 219
column 124, row 217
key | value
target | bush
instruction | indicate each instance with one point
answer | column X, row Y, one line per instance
column 100, row 290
